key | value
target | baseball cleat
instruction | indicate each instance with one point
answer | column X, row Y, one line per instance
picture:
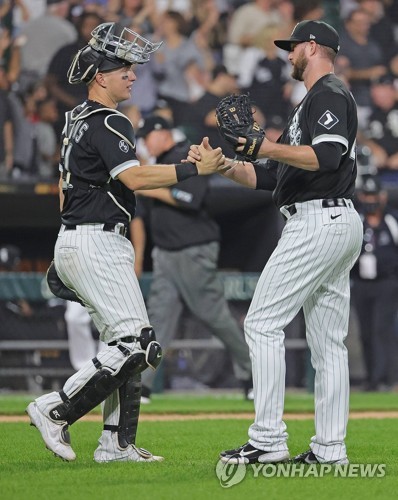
column 248, row 454
column 308, row 457
column 110, row 451
column 55, row 435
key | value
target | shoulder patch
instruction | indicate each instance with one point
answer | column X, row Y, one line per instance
column 328, row 120
column 121, row 126
column 123, row 146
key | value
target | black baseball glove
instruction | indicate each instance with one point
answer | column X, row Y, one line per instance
column 235, row 119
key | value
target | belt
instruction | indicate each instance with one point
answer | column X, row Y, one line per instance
column 118, row 228
column 126, row 340
column 326, row 203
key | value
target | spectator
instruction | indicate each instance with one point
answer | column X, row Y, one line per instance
column 178, row 66
column 24, row 119
column 26, row 10
column 245, row 23
column 138, row 13
column 391, row 11
column 381, row 134
column 362, row 58
column 308, row 9
column 382, row 31
column 203, row 112
column 38, row 41
column 209, row 28
column 181, row 6
column 47, row 144
column 375, row 285
column 68, row 96
column 266, row 75
column 249, row 19
column 14, row 14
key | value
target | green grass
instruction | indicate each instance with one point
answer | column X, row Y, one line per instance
column 28, row 471
column 224, row 403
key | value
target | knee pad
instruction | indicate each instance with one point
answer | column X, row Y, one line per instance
column 152, row 348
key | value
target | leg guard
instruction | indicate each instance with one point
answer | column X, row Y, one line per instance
column 127, row 404
column 112, row 367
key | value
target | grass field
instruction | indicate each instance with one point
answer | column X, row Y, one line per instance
column 28, row 471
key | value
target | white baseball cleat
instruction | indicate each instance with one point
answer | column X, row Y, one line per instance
column 110, row 451
column 55, row 435
column 248, row 454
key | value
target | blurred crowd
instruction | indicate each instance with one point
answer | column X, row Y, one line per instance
column 211, row 48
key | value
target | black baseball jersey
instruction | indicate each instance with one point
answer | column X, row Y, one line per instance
column 95, row 151
column 326, row 114
column 188, row 223
column 383, row 128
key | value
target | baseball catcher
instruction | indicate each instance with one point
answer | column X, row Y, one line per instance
column 235, row 119
column 94, row 259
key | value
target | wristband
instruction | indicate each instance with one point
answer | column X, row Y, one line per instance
column 185, row 171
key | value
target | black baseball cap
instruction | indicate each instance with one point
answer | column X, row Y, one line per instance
column 151, row 123
column 306, row 31
column 387, row 79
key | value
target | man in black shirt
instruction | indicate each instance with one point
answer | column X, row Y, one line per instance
column 375, row 285
column 94, row 260
column 312, row 171
column 185, row 256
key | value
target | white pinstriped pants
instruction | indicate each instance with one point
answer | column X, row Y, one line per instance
column 309, row 268
column 99, row 266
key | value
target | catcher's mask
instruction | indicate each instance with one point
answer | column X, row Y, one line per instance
column 107, row 51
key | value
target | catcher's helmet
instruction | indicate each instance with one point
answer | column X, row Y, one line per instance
column 107, row 51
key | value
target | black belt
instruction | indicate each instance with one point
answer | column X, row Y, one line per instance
column 126, row 340
column 326, row 203
column 112, row 228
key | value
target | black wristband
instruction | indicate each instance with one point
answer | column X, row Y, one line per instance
column 185, row 171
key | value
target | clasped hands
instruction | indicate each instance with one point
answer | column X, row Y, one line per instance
column 207, row 159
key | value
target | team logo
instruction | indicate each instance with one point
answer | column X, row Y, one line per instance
column 328, row 120
column 295, row 130
column 123, row 146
